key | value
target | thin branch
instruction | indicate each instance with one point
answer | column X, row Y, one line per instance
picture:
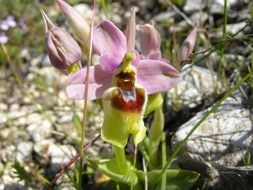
column 73, row 160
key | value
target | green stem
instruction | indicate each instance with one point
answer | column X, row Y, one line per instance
column 164, row 158
column 225, row 19
column 121, row 160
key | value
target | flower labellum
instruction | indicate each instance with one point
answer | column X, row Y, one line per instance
column 76, row 21
column 63, row 50
column 124, row 106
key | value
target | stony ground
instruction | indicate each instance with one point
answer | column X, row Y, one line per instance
column 39, row 126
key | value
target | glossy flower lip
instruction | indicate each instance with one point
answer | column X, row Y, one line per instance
column 155, row 75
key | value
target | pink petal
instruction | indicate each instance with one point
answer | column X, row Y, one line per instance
column 149, row 41
column 156, row 75
column 109, row 63
column 109, row 40
column 130, row 32
column 99, row 81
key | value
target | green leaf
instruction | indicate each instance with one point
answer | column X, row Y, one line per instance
column 21, row 173
column 157, row 127
column 109, row 168
column 177, row 179
column 155, row 101
column 77, row 123
column 155, row 135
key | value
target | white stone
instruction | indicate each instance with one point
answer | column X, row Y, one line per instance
column 40, row 131
column 193, row 5
column 41, row 147
column 3, row 118
column 60, row 155
column 227, row 130
column 8, row 153
column 24, row 151
column 197, row 83
column 234, row 28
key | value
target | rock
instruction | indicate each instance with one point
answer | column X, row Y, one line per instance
column 234, row 28
column 224, row 137
column 215, row 176
column 40, row 131
column 199, row 17
column 217, row 6
column 197, row 83
column 193, row 6
column 60, row 155
column 41, row 147
column 8, row 154
column 3, row 119
column 24, row 151
column 65, row 118
column 85, row 10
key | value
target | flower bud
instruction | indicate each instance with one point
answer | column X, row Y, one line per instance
column 79, row 25
column 62, row 49
column 187, row 47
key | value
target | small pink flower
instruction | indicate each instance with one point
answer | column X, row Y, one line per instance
column 3, row 38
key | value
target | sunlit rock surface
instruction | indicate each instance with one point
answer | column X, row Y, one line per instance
column 225, row 136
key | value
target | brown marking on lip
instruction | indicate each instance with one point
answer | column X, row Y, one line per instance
column 126, row 80
column 133, row 105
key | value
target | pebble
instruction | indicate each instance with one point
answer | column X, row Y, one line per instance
column 41, row 147
column 3, row 118
column 8, row 153
column 234, row 28
column 24, row 151
column 60, row 155
column 40, row 131
column 193, row 6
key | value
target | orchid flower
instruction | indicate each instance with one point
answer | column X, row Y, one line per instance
column 155, row 75
column 123, row 79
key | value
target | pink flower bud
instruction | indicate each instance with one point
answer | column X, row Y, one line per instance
column 187, row 47
column 62, row 49
column 79, row 25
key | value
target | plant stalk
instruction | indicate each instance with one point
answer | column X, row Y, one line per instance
column 121, row 160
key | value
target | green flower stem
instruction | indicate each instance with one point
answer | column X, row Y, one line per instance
column 121, row 160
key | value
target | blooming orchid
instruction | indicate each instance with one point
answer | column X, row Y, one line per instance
column 123, row 79
column 155, row 75
column 125, row 76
